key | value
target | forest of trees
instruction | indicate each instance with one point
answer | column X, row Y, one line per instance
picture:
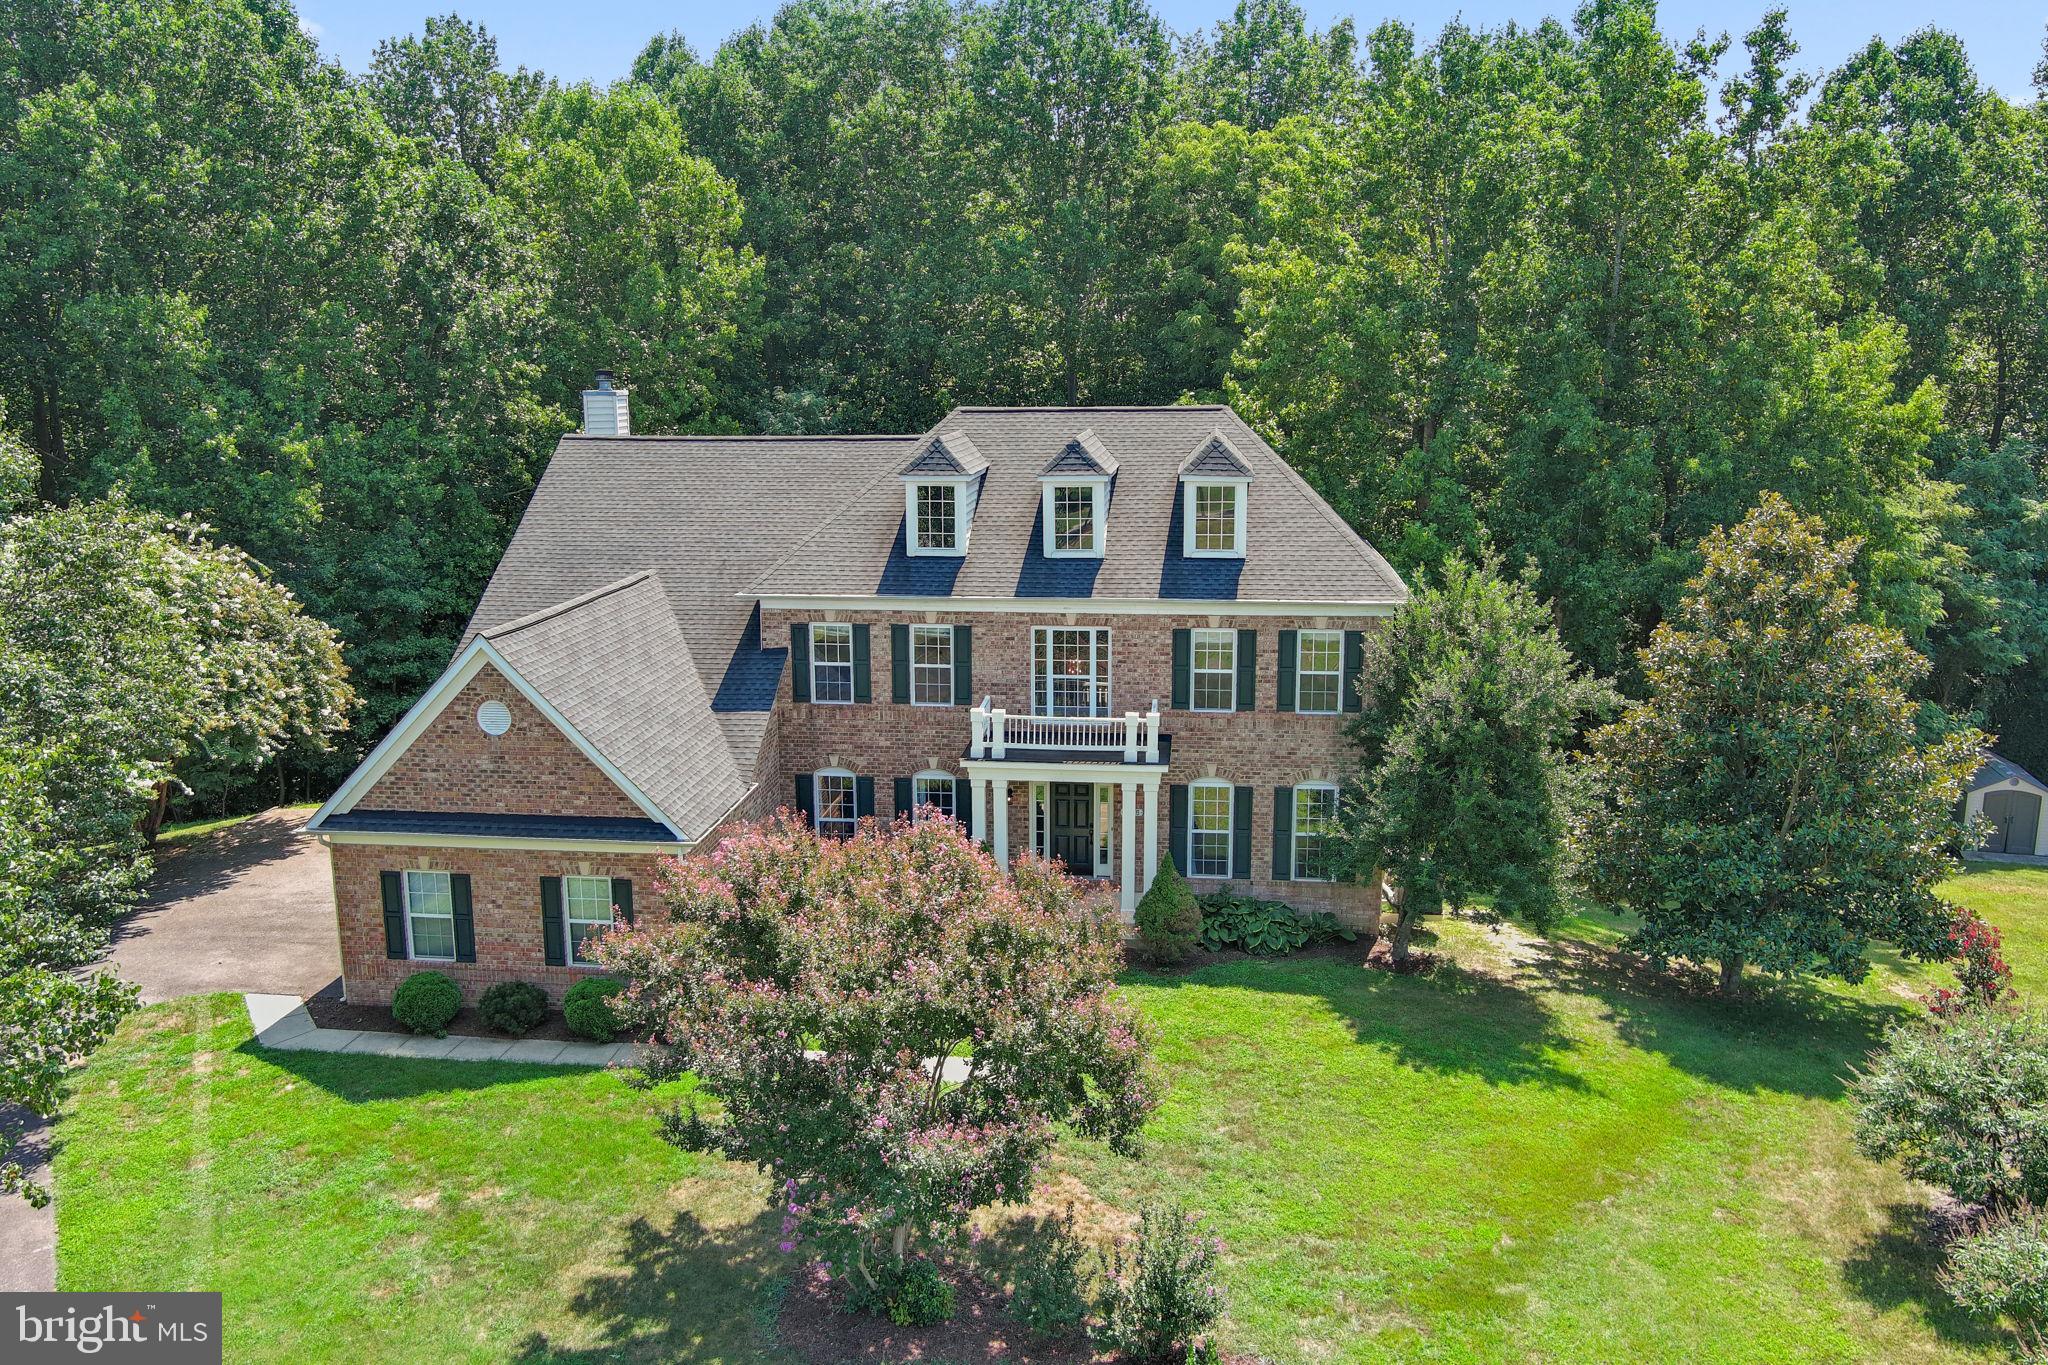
column 1570, row 290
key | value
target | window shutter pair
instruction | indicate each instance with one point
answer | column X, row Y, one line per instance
column 1247, row 670
column 1290, row 659
column 1354, row 662
column 1283, row 834
column 392, row 885
column 899, row 665
column 1184, row 669
column 554, row 938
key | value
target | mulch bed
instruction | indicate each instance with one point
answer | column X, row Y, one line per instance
column 816, row 1326
column 331, row 1013
column 1135, row 959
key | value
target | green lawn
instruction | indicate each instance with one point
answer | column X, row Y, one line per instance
column 1537, row 1153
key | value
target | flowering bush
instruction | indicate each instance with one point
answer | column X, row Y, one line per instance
column 1983, row 976
column 805, row 981
column 1159, row 1294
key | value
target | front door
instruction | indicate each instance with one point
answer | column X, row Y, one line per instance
column 1073, row 826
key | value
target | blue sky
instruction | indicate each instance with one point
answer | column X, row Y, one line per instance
column 598, row 41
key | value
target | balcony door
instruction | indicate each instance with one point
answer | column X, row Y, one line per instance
column 1070, row 671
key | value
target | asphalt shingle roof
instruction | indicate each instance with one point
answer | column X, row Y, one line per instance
column 947, row 454
column 1997, row 769
column 1216, row 457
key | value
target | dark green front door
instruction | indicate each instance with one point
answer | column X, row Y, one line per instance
column 1073, row 826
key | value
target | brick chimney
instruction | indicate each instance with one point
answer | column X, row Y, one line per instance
column 604, row 409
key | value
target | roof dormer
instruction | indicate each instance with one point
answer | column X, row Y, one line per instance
column 1215, row 484
column 1074, row 490
column 941, row 485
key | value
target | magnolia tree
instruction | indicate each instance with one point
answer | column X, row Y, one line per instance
column 807, row 982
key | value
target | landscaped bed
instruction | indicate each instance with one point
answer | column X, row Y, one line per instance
column 1534, row 1150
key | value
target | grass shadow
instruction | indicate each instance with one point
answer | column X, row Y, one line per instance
column 686, row 1292
column 363, row 1078
column 1897, row 1268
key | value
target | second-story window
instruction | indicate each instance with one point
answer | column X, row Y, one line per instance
column 1070, row 671
column 1319, row 675
column 1073, row 517
column 1215, row 668
column 938, row 516
column 831, row 662
column 931, row 665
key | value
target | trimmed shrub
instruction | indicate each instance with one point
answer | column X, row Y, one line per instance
column 1048, row 1297
column 2001, row 1268
column 1264, row 928
column 1169, row 917
column 587, row 1008
column 1159, row 1294
column 513, row 1007
column 912, row 1294
column 425, row 1001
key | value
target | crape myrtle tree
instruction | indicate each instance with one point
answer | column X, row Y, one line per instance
column 1470, row 701
column 805, row 981
column 1772, row 802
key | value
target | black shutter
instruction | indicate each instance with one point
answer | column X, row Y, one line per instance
column 1241, row 835
column 899, row 664
column 394, row 913
column 863, row 690
column 1177, row 823
column 904, row 798
column 1290, row 655
column 1181, row 667
column 963, row 666
column 1283, row 834
column 962, row 801
column 807, row 798
column 800, row 663
column 1354, row 661
column 863, row 796
column 622, row 898
column 465, row 922
column 551, row 922
column 1247, row 670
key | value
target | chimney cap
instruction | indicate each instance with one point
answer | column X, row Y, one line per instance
column 604, row 379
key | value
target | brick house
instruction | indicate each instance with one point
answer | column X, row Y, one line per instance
column 1100, row 634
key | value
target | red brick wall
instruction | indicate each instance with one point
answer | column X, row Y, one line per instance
column 1262, row 748
column 531, row 769
column 504, row 888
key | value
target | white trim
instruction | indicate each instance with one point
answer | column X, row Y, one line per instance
column 504, row 841
column 1294, row 827
column 850, row 665
column 1048, row 489
column 569, row 921
column 1101, row 669
column 1229, row 829
column 1195, row 669
column 1299, row 672
column 1085, row 606
column 1013, row 770
column 818, row 800
column 963, row 514
column 952, row 657
column 1190, row 485
column 453, row 679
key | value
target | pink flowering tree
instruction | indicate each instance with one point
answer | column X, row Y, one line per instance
column 807, row 982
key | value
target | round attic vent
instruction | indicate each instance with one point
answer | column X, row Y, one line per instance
column 494, row 718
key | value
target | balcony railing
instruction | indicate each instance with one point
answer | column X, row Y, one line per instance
column 1133, row 737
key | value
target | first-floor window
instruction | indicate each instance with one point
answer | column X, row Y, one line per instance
column 430, row 914
column 587, row 903
column 837, row 813
column 931, row 665
column 933, row 791
column 1209, row 829
column 1215, row 666
column 1315, row 833
column 831, row 662
column 1319, row 675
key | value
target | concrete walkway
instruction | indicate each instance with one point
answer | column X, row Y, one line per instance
column 281, row 1022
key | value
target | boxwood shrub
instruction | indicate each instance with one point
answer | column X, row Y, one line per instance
column 513, row 1007
column 587, row 1008
column 425, row 1001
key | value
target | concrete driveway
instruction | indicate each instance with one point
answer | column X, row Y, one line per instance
column 247, row 909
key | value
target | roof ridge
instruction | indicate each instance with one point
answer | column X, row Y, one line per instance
column 1099, row 407
column 534, row 618
column 748, row 436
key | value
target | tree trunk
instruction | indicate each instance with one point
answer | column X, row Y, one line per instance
column 899, row 1242
column 153, row 818
column 1731, row 974
column 1403, row 927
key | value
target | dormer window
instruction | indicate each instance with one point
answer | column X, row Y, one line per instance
column 1076, row 519
column 1074, row 499
column 1215, row 487
column 935, row 517
column 940, row 487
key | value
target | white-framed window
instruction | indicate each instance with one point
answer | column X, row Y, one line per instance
column 1319, row 672
column 931, row 791
column 931, row 665
column 430, row 916
column 837, row 805
column 1070, row 670
column 1213, row 654
column 1215, row 516
column 831, row 662
column 938, row 516
column 586, row 916
column 1073, row 517
column 1209, row 816
column 1315, row 832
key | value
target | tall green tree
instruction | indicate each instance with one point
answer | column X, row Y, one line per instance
column 447, row 89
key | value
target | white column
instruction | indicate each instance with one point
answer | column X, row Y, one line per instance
column 1151, row 831
column 977, row 801
column 1128, row 868
column 1000, row 793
